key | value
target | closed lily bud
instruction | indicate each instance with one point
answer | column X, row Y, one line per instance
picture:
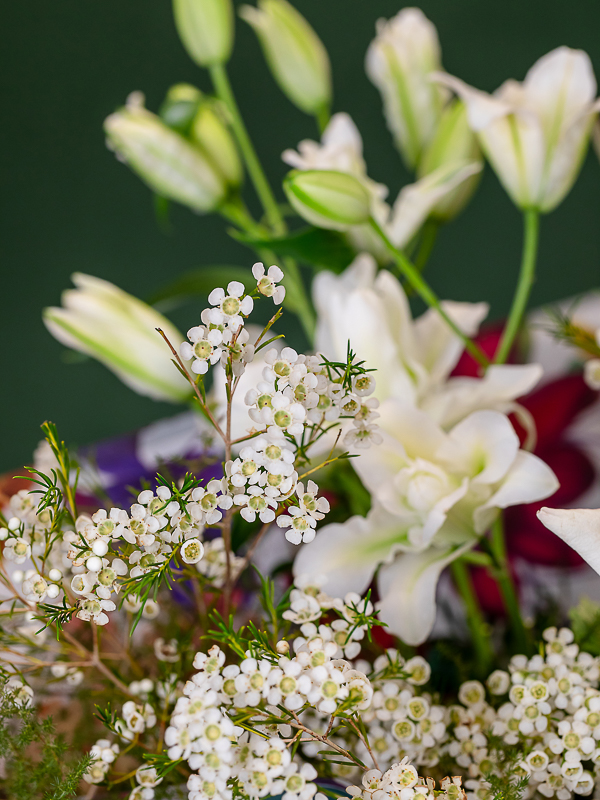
column 294, row 52
column 206, row 29
column 535, row 134
column 101, row 320
column 400, row 61
column 168, row 163
column 201, row 119
column 328, row 199
column 453, row 143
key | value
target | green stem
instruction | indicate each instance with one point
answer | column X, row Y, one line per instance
column 423, row 289
column 322, row 116
column 224, row 92
column 497, row 547
column 428, row 238
column 297, row 299
column 477, row 624
column 531, row 220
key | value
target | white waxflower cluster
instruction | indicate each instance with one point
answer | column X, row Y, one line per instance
column 111, row 547
column 25, row 537
column 222, row 336
column 297, row 397
column 203, row 733
column 213, row 564
column 104, row 753
column 299, row 390
column 402, row 782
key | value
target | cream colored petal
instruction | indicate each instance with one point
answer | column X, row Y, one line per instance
column 528, row 480
column 497, row 389
column 438, row 348
column 416, row 201
column 349, row 553
column 408, row 587
column 483, row 445
column 579, row 528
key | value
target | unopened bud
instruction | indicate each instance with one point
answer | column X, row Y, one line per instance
column 206, row 29
column 53, row 591
column 201, row 120
column 94, row 564
column 168, row 163
column 14, row 523
column 328, row 199
column 454, row 142
column 100, row 548
column 294, row 52
column 282, row 647
column 55, row 574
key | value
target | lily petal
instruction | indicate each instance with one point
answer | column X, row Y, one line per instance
column 415, row 202
column 529, row 479
column 579, row 528
column 349, row 553
column 407, row 588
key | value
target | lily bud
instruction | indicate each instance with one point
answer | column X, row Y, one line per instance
column 328, row 199
column 169, row 164
column 206, row 29
column 399, row 62
column 200, row 119
column 104, row 322
column 535, row 134
column 453, row 143
column 295, row 54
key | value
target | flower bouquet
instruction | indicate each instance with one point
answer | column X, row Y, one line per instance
column 333, row 574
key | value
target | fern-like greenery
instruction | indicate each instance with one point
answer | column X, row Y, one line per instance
column 37, row 764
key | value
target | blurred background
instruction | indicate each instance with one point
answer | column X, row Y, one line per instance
column 68, row 205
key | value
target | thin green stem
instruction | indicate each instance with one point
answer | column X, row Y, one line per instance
column 531, row 220
column 297, row 299
column 479, row 628
column 428, row 239
column 501, row 572
column 224, row 91
column 322, row 116
column 423, row 289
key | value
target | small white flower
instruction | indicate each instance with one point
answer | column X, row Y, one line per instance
column 266, row 283
column 17, row 549
column 204, row 348
column 228, row 308
column 192, row 551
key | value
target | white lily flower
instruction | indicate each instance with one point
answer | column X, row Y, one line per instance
column 341, row 149
column 400, row 61
column 103, row 321
column 413, row 358
column 579, row 528
column 535, row 134
column 435, row 494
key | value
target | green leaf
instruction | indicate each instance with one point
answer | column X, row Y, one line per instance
column 200, row 282
column 321, row 249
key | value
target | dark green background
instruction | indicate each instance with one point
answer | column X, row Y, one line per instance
column 68, row 205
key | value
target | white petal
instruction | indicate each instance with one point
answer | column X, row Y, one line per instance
column 579, row 528
column 484, row 445
column 415, row 201
column 407, row 588
column 215, row 297
column 529, row 479
column 437, row 347
column 346, row 554
column 258, row 270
